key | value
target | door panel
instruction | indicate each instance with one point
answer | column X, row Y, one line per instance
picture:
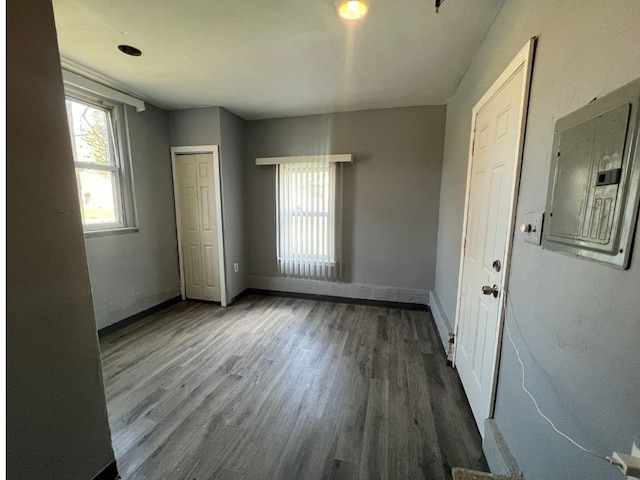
column 186, row 174
column 208, row 228
column 192, row 209
column 194, row 267
column 198, row 224
column 492, row 183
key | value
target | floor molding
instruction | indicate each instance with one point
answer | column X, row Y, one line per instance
column 443, row 349
column 110, row 472
column 238, row 297
column 339, row 289
column 443, row 327
column 138, row 316
column 335, row 299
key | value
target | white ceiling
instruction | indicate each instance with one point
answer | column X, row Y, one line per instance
column 275, row 58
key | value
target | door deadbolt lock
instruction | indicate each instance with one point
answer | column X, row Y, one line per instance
column 488, row 290
column 497, row 266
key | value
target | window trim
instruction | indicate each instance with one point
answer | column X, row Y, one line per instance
column 123, row 171
column 77, row 82
column 302, row 264
column 331, row 158
column 336, row 203
column 331, row 215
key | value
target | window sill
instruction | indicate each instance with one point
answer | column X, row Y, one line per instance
column 317, row 271
column 110, row 232
column 299, row 261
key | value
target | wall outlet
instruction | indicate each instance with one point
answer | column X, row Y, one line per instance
column 236, row 267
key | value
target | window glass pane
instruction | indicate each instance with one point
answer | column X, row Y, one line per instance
column 308, row 242
column 304, row 227
column 90, row 130
column 98, row 193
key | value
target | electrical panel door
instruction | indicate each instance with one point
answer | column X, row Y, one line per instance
column 592, row 201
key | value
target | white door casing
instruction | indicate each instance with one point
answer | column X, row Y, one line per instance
column 497, row 137
column 198, row 220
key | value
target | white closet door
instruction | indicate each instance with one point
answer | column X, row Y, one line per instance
column 197, row 190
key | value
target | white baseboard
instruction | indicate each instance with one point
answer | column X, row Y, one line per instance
column 337, row 289
column 442, row 323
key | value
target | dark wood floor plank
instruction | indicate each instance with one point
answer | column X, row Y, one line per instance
column 462, row 445
column 355, row 412
column 375, row 441
column 424, row 453
column 257, row 453
column 306, row 451
column 171, row 426
column 341, row 471
column 222, row 475
column 282, row 388
column 399, row 408
column 380, row 367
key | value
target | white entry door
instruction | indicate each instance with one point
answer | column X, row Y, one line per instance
column 491, row 192
column 198, row 224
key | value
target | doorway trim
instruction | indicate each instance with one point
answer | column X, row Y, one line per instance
column 213, row 150
column 524, row 59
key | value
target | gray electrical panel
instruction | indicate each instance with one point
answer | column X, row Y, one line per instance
column 592, row 201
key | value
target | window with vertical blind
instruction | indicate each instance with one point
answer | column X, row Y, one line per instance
column 308, row 219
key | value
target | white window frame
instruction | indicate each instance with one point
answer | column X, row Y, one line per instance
column 120, row 167
column 332, row 270
column 330, row 260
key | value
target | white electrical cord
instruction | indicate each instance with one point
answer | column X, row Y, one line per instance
column 535, row 402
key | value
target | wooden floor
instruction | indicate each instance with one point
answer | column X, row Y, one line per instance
column 280, row 388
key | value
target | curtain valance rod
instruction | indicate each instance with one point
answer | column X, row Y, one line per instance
column 339, row 158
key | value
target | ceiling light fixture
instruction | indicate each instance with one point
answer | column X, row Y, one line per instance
column 129, row 50
column 353, row 9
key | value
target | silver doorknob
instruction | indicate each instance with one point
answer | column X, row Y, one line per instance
column 487, row 290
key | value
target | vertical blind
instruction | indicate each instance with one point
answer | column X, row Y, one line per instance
column 307, row 222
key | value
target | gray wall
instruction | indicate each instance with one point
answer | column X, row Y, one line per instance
column 134, row 271
column 195, row 126
column 390, row 198
column 232, row 153
column 131, row 272
column 218, row 126
column 578, row 322
column 56, row 411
